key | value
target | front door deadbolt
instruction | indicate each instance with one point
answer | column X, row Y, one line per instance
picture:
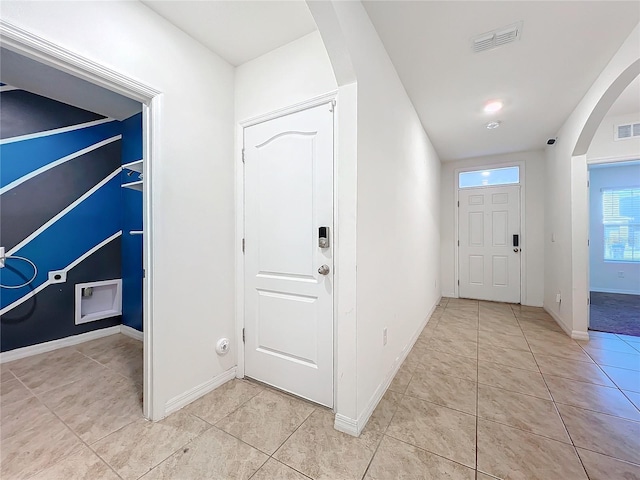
column 323, row 237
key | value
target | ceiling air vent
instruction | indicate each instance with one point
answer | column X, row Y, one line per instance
column 628, row 130
column 496, row 38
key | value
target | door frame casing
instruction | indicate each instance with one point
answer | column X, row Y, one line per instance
column 44, row 51
column 523, row 236
column 330, row 97
column 590, row 162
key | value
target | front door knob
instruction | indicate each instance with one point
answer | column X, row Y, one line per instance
column 324, row 270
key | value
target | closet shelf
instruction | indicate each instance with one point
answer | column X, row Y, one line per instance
column 133, row 185
column 135, row 166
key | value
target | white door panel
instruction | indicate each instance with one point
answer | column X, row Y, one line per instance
column 489, row 264
column 288, row 303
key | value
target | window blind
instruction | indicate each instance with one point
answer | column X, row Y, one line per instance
column 621, row 222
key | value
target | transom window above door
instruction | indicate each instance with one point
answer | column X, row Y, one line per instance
column 489, row 177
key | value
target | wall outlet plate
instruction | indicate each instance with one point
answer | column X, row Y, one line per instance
column 58, row 276
column 384, row 336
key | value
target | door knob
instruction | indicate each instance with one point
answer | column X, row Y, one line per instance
column 516, row 250
column 324, row 270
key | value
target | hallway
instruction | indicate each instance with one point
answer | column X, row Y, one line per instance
column 489, row 386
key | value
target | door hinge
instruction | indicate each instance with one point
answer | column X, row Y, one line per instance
column 587, row 183
column 588, row 301
column 243, row 335
column 243, row 245
column 243, row 155
column 144, row 273
column 458, row 242
column 458, row 282
column 458, row 203
column 332, row 105
column 588, row 244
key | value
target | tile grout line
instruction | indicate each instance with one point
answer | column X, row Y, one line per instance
column 397, row 406
column 182, row 447
column 64, row 456
column 430, row 452
column 477, row 389
column 410, row 444
column 269, row 456
column 105, row 366
column 82, row 441
column 555, row 405
column 612, row 380
column 285, row 441
column 230, row 412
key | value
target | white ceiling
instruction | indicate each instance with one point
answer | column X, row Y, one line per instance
column 240, row 30
column 540, row 78
column 35, row 77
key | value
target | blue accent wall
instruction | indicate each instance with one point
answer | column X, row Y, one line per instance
column 81, row 203
column 131, row 220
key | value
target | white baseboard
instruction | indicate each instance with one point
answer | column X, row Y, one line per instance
column 131, row 332
column 184, row 399
column 612, row 290
column 579, row 335
column 31, row 350
column 346, row 425
column 45, row 347
column 575, row 334
column 355, row 426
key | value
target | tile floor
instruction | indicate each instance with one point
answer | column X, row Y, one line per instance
column 488, row 391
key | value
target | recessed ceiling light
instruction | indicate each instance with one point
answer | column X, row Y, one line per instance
column 493, row 106
column 492, row 125
column 486, row 174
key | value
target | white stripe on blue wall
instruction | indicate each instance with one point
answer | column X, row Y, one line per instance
column 44, row 285
column 65, row 211
column 8, row 88
column 55, row 131
column 60, row 161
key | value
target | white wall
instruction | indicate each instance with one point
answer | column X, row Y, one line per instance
column 532, row 207
column 566, row 206
column 397, row 211
column 283, row 77
column 603, row 145
column 192, row 182
column 604, row 276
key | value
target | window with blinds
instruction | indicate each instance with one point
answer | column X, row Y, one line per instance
column 621, row 221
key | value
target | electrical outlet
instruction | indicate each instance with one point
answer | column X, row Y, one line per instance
column 2, row 256
column 58, row 276
column 558, row 298
column 384, row 336
column 620, row 274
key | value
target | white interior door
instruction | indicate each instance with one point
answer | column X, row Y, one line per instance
column 489, row 261
column 288, row 275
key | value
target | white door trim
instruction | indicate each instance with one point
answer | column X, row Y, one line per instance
column 42, row 50
column 592, row 162
column 239, row 227
column 523, row 233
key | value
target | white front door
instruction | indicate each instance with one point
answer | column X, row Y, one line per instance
column 288, row 274
column 489, row 260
